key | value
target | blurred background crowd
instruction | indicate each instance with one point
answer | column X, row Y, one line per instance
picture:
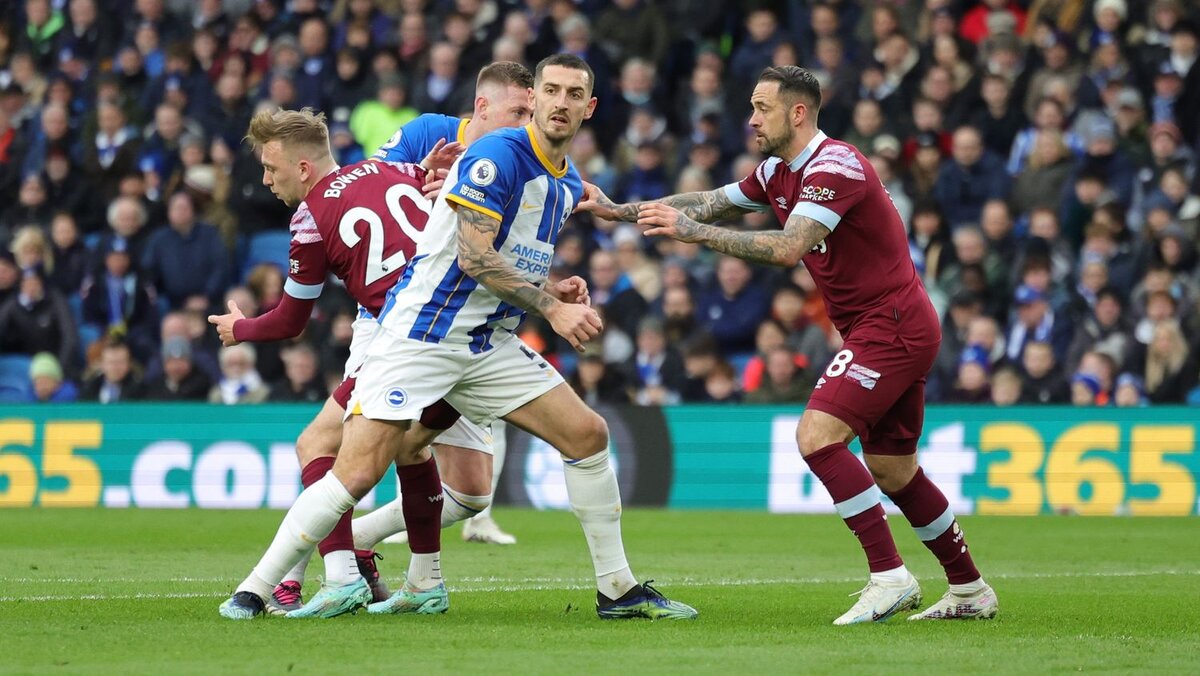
column 1041, row 152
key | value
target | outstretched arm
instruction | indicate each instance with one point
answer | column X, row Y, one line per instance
column 705, row 207
column 479, row 259
column 774, row 247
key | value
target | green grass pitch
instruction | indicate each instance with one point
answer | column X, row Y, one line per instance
column 129, row 592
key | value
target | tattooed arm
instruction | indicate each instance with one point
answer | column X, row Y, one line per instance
column 478, row 258
column 705, row 207
column 774, row 247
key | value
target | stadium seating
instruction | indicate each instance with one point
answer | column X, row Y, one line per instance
column 15, row 385
column 267, row 247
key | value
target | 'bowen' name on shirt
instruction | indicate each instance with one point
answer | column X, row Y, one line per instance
column 342, row 182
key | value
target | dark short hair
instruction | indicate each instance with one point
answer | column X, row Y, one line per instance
column 505, row 73
column 795, row 80
column 566, row 61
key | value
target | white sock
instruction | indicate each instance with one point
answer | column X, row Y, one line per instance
column 341, row 568
column 370, row 529
column 296, row 574
column 311, row 518
column 458, row 506
column 425, row 571
column 968, row 588
column 895, row 576
column 596, row 502
column 499, row 449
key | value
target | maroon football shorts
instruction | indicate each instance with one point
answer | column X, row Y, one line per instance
column 440, row 416
column 876, row 385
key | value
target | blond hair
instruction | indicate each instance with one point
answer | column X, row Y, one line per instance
column 292, row 128
column 1161, row 366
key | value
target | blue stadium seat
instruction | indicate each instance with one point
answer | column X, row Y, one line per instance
column 15, row 385
column 267, row 247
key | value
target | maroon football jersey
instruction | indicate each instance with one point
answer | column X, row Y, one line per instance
column 361, row 223
column 863, row 267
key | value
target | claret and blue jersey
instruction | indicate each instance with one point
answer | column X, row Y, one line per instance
column 504, row 175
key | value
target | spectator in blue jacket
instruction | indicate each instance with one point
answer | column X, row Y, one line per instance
column 969, row 179
column 733, row 309
column 187, row 262
column 1035, row 321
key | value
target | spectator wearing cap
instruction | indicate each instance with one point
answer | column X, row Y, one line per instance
column 1086, row 390
column 129, row 69
column 346, row 150
column 375, row 120
column 1170, row 367
column 37, row 319
column 1043, row 381
column 972, row 384
column 923, row 172
column 188, row 260
column 230, row 116
column 967, row 180
column 1102, row 157
column 1036, row 321
column 112, row 152
column 117, row 379
column 1167, row 91
column 49, row 383
column 1131, row 391
column 179, row 378
column 118, row 299
column 733, row 308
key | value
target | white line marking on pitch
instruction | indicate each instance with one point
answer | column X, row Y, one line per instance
column 497, row 584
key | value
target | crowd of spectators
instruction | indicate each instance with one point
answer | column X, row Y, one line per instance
column 1041, row 152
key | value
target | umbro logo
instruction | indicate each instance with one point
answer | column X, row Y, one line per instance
column 782, row 201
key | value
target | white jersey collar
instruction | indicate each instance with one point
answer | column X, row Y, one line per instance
column 808, row 151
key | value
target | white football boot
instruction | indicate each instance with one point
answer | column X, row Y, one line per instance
column 980, row 605
column 483, row 528
column 878, row 601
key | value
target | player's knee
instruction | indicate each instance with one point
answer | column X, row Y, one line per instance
column 593, row 436
column 358, row 481
column 309, row 448
column 818, row 430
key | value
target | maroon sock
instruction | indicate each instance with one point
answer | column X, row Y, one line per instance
column 421, row 501
column 857, row 501
column 927, row 510
column 342, row 536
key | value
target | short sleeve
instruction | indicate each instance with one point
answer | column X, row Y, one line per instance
column 751, row 192
column 833, row 182
column 406, row 144
column 307, row 263
column 486, row 176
